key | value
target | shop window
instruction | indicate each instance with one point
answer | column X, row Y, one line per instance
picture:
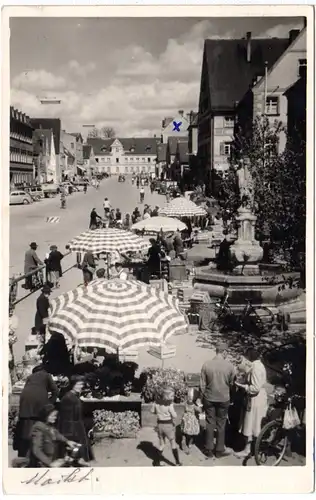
column 225, row 149
column 229, row 121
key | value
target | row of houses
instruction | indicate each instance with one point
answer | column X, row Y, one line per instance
column 41, row 151
column 240, row 79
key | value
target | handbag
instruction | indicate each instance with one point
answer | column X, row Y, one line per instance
column 290, row 418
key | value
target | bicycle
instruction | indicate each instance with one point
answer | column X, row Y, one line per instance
column 253, row 319
column 273, row 439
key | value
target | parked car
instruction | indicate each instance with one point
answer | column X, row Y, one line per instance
column 20, row 197
column 35, row 192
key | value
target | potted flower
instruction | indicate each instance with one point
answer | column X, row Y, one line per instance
column 158, row 378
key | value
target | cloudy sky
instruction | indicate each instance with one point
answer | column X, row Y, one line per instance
column 125, row 73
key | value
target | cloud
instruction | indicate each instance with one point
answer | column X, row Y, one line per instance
column 81, row 70
column 38, row 80
column 133, row 92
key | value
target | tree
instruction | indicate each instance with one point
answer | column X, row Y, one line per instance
column 93, row 133
column 278, row 183
column 107, row 132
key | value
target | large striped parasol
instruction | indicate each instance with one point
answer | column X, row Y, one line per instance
column 108, row 241
column 155, row 224
column 115, row 314
column 182, row 207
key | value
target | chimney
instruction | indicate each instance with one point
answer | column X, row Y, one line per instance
column 181, row 112
column 248, row 36
column 292, row 35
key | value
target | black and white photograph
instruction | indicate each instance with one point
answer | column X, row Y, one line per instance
column 155, row 285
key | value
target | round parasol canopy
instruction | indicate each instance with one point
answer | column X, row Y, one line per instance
column 108, row 241
column 155, row 224
column 181, row 207
column 113, row 314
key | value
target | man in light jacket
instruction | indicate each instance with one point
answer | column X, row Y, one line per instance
column 31, row 262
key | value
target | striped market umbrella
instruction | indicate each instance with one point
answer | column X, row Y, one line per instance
column 155, row 224
column 182, row 207
column 108, row 241
column 116, row 314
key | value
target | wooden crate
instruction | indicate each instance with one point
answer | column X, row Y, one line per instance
column 163, row 351
column 185, row 293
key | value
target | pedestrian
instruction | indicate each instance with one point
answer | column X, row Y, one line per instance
column 85, row 188
column 42, row 308
column 167, row 197
column 146, row 214
column 142, row 194
column 155, row 211
column 53, row 266
column 217, row 378
column 166, row 416
column 44, row 439
column 88, row 267
column 94, row 219
column 34, row 396
column 118, row 215
column 190, row 425
column 112, row 217
column 100, row 273
column 255, row 405
column 31, row 262
column 71, row 423
column 56, row 356
column 153, row 262
column 137, row 182
column 120, row 272
column 178, row 243
column 106, row 207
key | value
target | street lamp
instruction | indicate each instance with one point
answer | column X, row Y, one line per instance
column 49, row 100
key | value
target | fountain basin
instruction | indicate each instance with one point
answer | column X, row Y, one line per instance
column 262, row 290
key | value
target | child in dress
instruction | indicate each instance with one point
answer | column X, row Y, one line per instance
column 166, row 415
column 190, row 424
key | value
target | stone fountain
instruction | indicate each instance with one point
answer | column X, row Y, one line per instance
column 247, row 280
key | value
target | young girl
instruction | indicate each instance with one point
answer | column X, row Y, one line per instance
column 166, row 415
column 190, row 425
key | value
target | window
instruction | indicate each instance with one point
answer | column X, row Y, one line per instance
column 137, row 159
column 229, row 121
column 102, row 159
column 109, row 170
column 117, row 160
column 117, row 169
column 144, row 159
column 126, row 159
column 272, row 105
column 132, row 159
column 225, row 149
column 108, row 159
column 302, row 68
column 126, row 170
column 148, row 159
column 72, row 145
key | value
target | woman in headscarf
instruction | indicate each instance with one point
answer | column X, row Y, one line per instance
column 71, row 423
column 34, row 396
column 56, row 356
column 44, row 439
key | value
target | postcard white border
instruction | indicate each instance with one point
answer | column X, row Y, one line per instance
column 165, row 480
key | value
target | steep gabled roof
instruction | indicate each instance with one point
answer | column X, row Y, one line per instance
column 49, row 123
column 229, row 73
column 132, row 146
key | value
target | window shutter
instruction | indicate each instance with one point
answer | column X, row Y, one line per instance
column 221, row 149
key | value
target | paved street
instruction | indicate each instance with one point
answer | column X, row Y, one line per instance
column 28, row 223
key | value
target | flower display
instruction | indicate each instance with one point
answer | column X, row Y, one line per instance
column 116, row 424
column 157, row 379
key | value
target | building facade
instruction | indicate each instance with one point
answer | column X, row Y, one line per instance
column 125, row 155
column 228, row 69
column 68, row 155
column 53, row 124
column 176, row 126
column 44, row 156
column 89, row 162
column 21, row 148
column 267, row 95
column 79, row 152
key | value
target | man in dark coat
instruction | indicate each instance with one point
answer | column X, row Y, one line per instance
column 94, row 219
column 42, row 307
column 33, row 398
column 53, row 265
column 31, row 262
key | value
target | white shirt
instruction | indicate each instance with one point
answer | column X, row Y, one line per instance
column 146, row 216
column 106, row 204
column 142, row 191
